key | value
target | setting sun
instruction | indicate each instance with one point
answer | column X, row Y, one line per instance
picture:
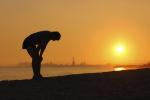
column 119, row 49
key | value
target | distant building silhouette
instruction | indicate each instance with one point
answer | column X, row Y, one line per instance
column 73, row 61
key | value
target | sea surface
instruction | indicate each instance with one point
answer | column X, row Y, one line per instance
column 23, row 72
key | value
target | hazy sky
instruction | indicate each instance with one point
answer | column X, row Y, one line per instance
column 90, row 30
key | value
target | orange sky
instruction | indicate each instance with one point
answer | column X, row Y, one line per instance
column 90, row 30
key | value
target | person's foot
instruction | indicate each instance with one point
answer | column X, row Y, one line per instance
column 39, row 77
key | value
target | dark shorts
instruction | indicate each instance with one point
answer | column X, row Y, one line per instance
column 33, row 52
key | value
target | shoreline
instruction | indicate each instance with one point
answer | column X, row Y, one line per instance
column 127, row 84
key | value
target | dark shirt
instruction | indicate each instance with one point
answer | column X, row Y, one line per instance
column 38, row 38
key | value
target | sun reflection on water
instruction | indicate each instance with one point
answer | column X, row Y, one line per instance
column 119, row 69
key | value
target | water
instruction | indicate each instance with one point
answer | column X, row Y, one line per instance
column 19, row 73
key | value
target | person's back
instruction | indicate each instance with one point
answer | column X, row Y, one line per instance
column 36, row 38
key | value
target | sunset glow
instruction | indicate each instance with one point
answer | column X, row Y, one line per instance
column 94, row 31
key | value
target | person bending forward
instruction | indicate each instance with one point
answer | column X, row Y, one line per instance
column 35, row 45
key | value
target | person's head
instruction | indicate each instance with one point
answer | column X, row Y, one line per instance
column 55, row 35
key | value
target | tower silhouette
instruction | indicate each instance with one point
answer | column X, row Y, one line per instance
column 73, row 61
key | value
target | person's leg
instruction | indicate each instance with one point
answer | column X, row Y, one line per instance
column 36, row 62
column 37, row 66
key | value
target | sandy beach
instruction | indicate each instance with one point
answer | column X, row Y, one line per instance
column 123, row 85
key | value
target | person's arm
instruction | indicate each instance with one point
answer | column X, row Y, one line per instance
column 42, row 46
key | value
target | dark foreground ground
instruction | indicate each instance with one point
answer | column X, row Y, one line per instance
column 124, row 85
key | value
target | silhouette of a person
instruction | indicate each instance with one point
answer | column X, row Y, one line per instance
column 35, row 45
